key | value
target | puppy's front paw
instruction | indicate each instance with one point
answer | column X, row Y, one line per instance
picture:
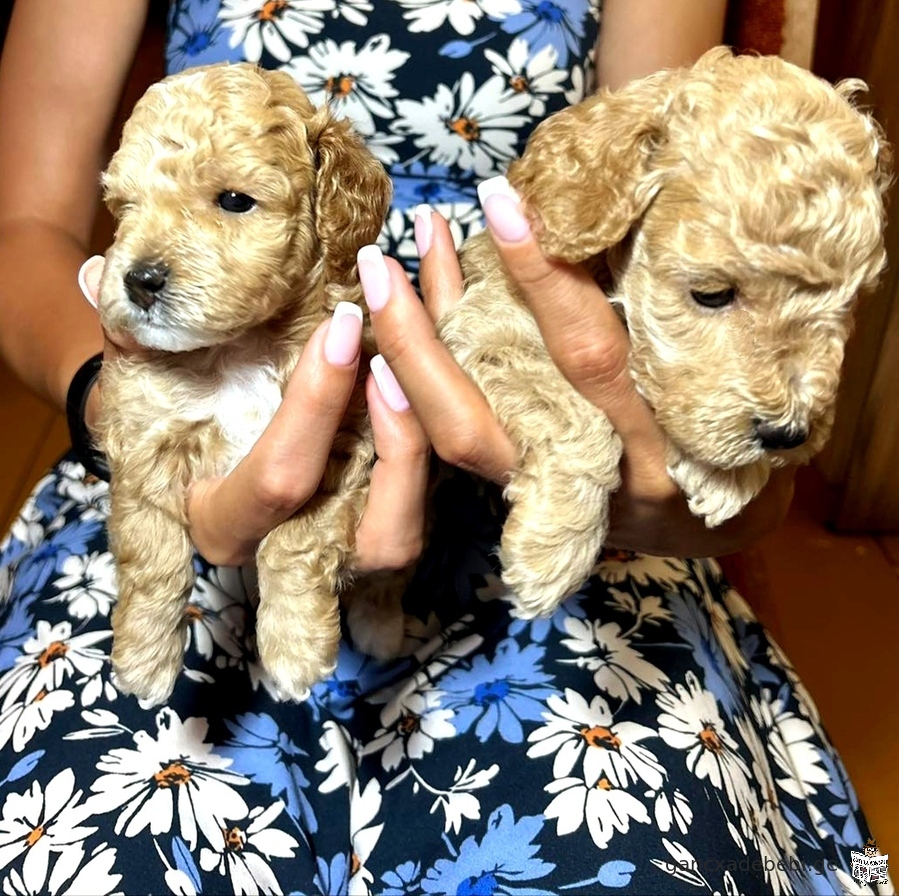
column 297, row 650
column 552, row 536
column 542, row 570
column 150, row 671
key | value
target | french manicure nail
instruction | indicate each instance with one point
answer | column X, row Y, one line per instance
column 387, row 384
column 89, row 278
column 374, row 277
column 424, row 229
column 502, row 209
column 344, row 335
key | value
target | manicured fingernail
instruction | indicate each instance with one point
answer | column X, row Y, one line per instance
column 374, row 276
column 424, row 229
column 387, row 384
column 344, row 335
column 89, row 278
column 502, row 209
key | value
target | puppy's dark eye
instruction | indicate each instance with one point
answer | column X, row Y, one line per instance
column 231, row 201
column 717, row 299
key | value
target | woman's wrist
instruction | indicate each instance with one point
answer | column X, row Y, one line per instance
column 82, row 406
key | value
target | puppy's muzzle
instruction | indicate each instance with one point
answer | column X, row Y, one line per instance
column 145, row 282
column 778, row 437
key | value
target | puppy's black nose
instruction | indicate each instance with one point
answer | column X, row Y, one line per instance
column 774, row 437
column 144, row 282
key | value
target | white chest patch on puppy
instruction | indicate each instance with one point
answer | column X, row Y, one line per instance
column 245, row 402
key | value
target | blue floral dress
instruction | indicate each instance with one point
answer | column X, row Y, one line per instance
column 648, row 738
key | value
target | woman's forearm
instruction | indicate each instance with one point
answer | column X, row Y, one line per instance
column 639, row 37
column 47, row 330
column 61, row 76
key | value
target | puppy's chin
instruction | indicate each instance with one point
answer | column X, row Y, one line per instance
column 172, row 339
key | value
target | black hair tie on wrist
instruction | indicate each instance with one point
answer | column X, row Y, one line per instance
column 76, row 401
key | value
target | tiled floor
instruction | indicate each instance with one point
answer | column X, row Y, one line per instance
column 831, row 601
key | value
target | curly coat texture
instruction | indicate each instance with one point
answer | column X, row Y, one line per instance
column 743, row 176
column 237, row 294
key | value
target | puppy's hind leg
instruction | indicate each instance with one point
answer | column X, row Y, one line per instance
column 155, row 578
column 298, row 619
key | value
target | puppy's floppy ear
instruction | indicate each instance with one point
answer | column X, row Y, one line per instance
column 352, row 195
column 587, row 172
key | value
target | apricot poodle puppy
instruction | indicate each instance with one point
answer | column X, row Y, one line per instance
column 732, row 211
column 240, row 209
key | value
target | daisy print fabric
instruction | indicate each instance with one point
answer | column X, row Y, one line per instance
column 649, row 737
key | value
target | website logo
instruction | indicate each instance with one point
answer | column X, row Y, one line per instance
column 870, row 867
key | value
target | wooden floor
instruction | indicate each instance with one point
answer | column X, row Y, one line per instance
column 832, row 602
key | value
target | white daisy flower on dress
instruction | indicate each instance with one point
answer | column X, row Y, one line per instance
column 354, row 11
column 536, row 76
column 469, row 126
column 354, row 82
column 364, row 807
column 20, row 721
column 670, row 810
column 411, row 723
column 50, row 658
column 90, row 493
column 788, row 739
column 429, row 15
column 690, row 721
column 339, row 762
column 617, row 668
column 87, row 584
column 171, row 780
column 27, row 527
column 602, row 806
column 218, row 615
column 271, row 24
column 242, row 852
column 69, row 876
column 578, row 730
column 41, row 823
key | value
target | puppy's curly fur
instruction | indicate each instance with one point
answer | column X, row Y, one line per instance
column 240, row 209
column 733, row 210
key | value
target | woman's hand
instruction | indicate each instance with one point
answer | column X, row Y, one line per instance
column 230, row 515
column 589, row 345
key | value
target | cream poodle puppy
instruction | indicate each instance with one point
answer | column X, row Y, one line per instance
column 732, row 211
column 240, row 209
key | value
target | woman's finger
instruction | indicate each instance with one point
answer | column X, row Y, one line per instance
column 580, row 327
column 392, row 529
column 452, row 410
column 440, row 275
column 230, row 515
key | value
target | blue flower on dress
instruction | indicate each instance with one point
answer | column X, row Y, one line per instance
column 356, row 674
column 498, row 694
column 196, row 37
column 555, row 23
column 506, row 856
column 693, row 626
column 261, row 751
column 16, row 626
column 403, row 880
column 332, row 877
column 39, row 566
column 538, row 629
column 419, row 183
